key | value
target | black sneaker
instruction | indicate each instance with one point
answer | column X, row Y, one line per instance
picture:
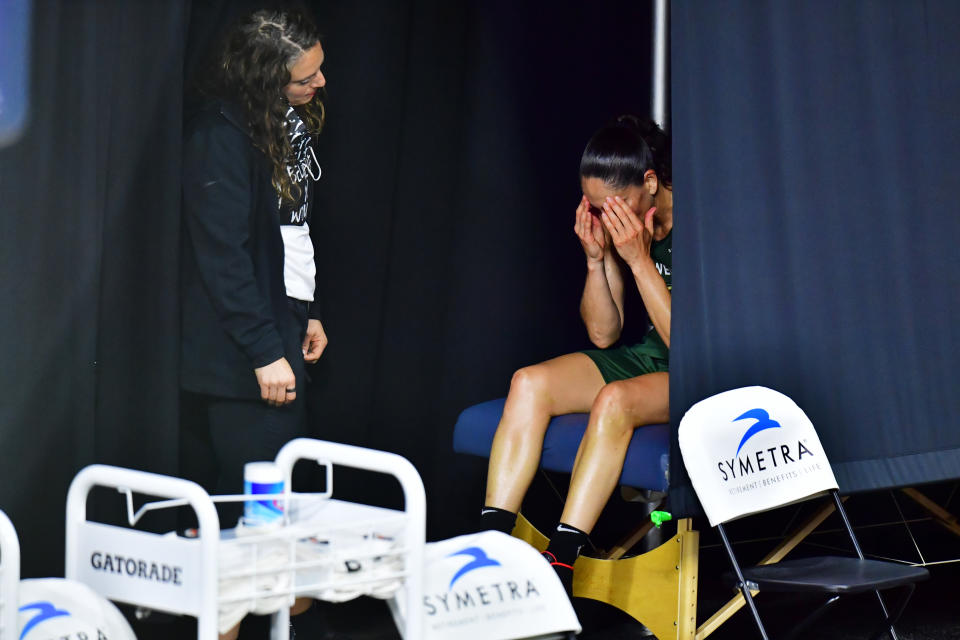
column 564, row 572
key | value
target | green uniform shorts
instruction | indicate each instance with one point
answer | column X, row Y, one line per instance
column 648, row 356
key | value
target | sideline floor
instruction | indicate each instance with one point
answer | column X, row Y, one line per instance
column 933, row 614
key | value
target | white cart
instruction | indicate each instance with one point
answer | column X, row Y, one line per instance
column 9, row 578
column 261, row 570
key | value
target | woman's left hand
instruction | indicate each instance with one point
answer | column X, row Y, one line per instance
column 631, row 236
column 314, row 342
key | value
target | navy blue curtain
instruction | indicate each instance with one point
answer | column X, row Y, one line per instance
column 816, row 147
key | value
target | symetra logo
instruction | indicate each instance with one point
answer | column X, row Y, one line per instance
column 480, row 560
column 762, row 423
column 45, row 611
column 780, row 455
column 504, row 589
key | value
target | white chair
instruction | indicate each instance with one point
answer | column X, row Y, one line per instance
column 9, row 578
column 753, row 449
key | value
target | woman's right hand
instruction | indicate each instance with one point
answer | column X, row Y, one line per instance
column 590, row 231
column 278, row 385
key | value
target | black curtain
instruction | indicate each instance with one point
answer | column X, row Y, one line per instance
column 815, row 159
column 450, row 179
column 90, row 210
column 450, row 155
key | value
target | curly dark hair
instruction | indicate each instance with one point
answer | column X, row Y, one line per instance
column 252, row 68
column 624, row 150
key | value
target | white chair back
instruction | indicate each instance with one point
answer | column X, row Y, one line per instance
column 491, row 586
column 9, row 578
column 65, row 609
column 749, row 450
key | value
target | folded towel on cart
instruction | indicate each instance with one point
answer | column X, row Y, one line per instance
column 255, row 578
column 343, row 567
column 261, row 571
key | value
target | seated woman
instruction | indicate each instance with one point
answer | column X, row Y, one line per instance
column 624, row 219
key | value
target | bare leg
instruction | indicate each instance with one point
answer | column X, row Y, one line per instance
column 618, row 409
column 567, row 384
column 300, row 605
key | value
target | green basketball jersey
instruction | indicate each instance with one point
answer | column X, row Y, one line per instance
column 662, row 255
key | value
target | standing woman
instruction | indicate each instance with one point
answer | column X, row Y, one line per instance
column 249, row 280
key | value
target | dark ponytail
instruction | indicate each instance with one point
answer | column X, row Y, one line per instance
column 624, row 150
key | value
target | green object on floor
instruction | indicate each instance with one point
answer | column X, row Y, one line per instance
column 659, row 517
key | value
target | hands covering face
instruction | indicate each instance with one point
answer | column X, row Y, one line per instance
column 590, row 231
column 631, row 236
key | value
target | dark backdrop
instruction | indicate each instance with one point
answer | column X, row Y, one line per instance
column 816, row 147
column 89, row 205
column 450, row 180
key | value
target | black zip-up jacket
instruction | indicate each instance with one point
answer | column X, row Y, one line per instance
column 235, row 316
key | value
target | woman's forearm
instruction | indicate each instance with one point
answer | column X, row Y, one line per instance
column 656, row 297
column 601, row 306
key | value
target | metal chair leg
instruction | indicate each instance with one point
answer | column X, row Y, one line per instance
column 815, row 615
column 744, row 587
column 745, row 590
column 889, row 620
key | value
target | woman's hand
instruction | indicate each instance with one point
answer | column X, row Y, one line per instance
column 278, row 385
column 631, row 236
column 314, row 342
column 590, row 232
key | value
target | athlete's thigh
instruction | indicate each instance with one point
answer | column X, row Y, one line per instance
column 571, row 382
column 644, row 399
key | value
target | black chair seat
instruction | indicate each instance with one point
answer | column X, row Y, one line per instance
column 831, row 575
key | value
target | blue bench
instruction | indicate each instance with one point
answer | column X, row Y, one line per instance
column 658, row 587
column 647, row 465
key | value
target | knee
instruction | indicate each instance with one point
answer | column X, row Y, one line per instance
column 609, row 414
column 529, row 382
column 612, row 399
column 525, row 403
